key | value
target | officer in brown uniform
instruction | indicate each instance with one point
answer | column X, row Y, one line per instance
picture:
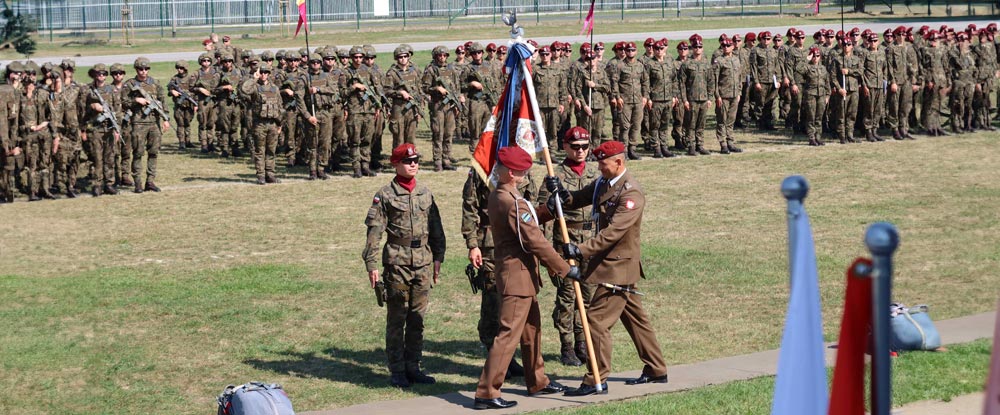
column 518, row 240
column 415, row 245
column 613, row 256
column 402, row 86
column 265, row 105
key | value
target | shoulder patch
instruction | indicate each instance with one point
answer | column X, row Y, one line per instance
column 526, row 217
column 630, row 204
column 628, row 185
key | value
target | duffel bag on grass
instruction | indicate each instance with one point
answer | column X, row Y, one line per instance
column 255, row 398
column 912, row 328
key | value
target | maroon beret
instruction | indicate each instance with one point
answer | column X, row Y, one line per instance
column 402, row 152
column 576, row 134
column 608, row 149
column 515, row 158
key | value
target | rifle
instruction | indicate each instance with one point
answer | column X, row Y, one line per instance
column 487, row 90
column 367, row 94
column 153, row 105
column 106, row 114
column 449, row 98
column 184, row 95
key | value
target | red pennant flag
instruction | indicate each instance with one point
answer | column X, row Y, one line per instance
column 588, row 23
column 848, row 395
column 992, row 398
column 302, row 17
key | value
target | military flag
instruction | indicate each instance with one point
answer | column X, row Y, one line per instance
column 848, row 394
column 302, row 17
column 588, row 23
column 991, row 405
column 513, row 121
column 800, row 387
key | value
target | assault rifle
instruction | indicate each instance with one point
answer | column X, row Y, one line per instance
column 183, row 94
column 487, row 90
column 107, row 114
column 449, row 98
column 153, row 105
column 368, row 95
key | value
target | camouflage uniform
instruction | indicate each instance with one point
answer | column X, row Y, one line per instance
column 986, row 69
column 724, row 87
column 662, row 84
column 442, row 114
column 123, row 148
column 146, row 133
column 102, row 133
column 962, row 68
column 264, row 99
column 814, row 88
column 37, row 145
column 415, row 240
column 361, row 107
column 378, row 125
column 935, row 80
column 318, row 137
column 290, row 83
column 403, row 115
column 598, row 96
column 228, row 109
column 845, row 108
column 183, row 108
column 875, row 81
column 694, row 79
column 630, row 83
column 900, row 74
column 207, row 79
column 764, row 71
column 67, row 159
column 481, row 101
column 10, row 107
column 794, row 56
column 550, row 87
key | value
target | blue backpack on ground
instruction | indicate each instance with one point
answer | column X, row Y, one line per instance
column 912, row 328
column 255, row 398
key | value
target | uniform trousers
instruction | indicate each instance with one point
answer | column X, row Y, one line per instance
column 631, row 121
column 607, row 308
column 520, row 321
column 407, row 291
column 725, row 119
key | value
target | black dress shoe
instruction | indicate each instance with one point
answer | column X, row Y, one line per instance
column 644, row 378
column 586, row 389
column 552, row 387
column 495, row 403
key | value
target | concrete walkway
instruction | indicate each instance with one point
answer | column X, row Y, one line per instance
column 682, row 377
column 971, row 404
column 500, row 39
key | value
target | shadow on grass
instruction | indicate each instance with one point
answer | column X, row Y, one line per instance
column 366, row 368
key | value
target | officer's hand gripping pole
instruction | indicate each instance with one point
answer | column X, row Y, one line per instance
column 592, row 357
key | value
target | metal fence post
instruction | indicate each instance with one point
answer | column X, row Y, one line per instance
column 703, row 9
column 663, row 9
column 742, row 14
column 173, row 19
column 678, row 8
column 161, row 18
column 109, row 20
column 780, row 8
column 538, row 18
column 357, row 13
column 623, row 10
column 404, row 14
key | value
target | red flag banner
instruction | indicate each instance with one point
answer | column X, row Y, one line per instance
column 302, row 17
column 588, row 23
column 848, row 394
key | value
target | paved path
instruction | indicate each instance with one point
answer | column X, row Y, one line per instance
column 971, row 404
column 682, row 377
column 606, row 38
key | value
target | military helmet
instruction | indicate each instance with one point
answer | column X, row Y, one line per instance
column 303, row 52
column 280, row 54
column 31, row 67
column 357, row 50
column 343, row 53
column 329, row 52
column 267, row 55
column 68, row 64
column 204, row 56
column 409, row 49
column 181, row 64
column 47, row 67
column 226, row 56
column 440, row 50
column 369, row 51
column 475, row 47
column 264, row 68
column 246, row 54
column 15, row 67
column 117, row 67
column 96, row 69
column 399, row 51
column 141, row 62
column 315, row 57
column 254, row 59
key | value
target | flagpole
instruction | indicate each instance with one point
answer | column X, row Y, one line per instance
column 590, row 91
column 882, row 239
column 592, row 356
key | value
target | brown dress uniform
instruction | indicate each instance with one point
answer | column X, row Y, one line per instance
column 517, row 241
column 613, row 256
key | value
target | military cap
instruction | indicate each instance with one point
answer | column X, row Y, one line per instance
column 723, row 37
column 799, row 34
column 828, row 32
column 31, row 67
column 983, row 32
column 578, row 133
column 399, row 51
column 533, row 43
column 515, row 158
column 608, row 149
column 225, row 38
column 683, row 45
column 402, row 152
column 695, row 40
column 329, row 52
column 475, row 47
column 585, row 47
column 931, row 35
column 818, row 34
column 357, row 50
column 750, row 37
column 649, row 42
column 777, row 38
column 814, row 50
column 962, row 36
column 492, row 47
column 616, row 46
column 67, row 64
column 764, row 35
column 840, row 35
column 96, row 69
column 502, row 49
column 909, row 29
column 992, row 27
column 181, row 64
column 555, row 46
column 206, row 42
column 736, row 37
column 888, row 32
column 899, row 30
column 439, row 50
column 460, row 49
column 315, row 58
column 264, row 68
column 15, row 67
column 117, row 67
column 467, row 44
column 369, row 51
column 923, row 29
column 971, row 26
column 303, row 52
column 343, row 53
column 630, row 46
column 267, row 55
column 545, row 50
column 141, row 62
column 280, row 54
column 855, row 31
column 726, row 42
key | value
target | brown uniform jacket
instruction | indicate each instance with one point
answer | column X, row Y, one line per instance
column 613, row 254
column 517, row 240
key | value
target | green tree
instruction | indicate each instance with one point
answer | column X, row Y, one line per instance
column 16, row 31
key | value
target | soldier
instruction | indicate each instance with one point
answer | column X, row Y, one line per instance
column 482, row 89
column 590, row 87
column 411, row 258
column 550, row 87
column 574, row 173
column 403, row 88
column 814, row 88
column 360, row 89
column 123, row 147
column 933, row 67
column 962, row 67
column 846, row 74
column 764, row 73
column 662, row 84
column 36, row 110
column 100, row 128
column 874, row 88
column 265, row 104
column 228, row 106
column 630, row 89
column 986, row 74
column 338, row 123
column 795, row 54
column 206, row 79
column 380, row 112
column 519, row 240
column 185, row 106
column 694, row 80
column 440, row 81
column 610, row 68
column 10, row 143
column 316, row 105
column 678, row 131
column 724, row 87
column 618, row 202
column 743, row 112
column 142, row 94
column 901, row 77
column 784, row 89
column 290, row 81
column 67, row 127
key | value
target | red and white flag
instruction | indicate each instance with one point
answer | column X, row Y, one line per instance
column 588, row 23
column 302, row 18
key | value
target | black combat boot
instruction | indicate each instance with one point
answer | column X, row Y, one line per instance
column 417, row 376
column 896, row 135
column 657, row 152
column 109, row 189
column 869, row 136
column 632, row 155
column 152, row 186
column 357, row 171
column 581, row 352
column 666, row 151
column 723, row 148
column 732, row 148
column 701, row 150
column 691, row 150
column 312, row 175
column 398, row 379
column 568, row 356
column 321, row 174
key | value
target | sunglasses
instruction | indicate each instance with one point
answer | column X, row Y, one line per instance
column 544, row 53
column 105, row 73
column 116, row 73
column 578, row 147
column 478, row 52
column 630, row 49
column 204, row 60
column 697, row 46
column 357, row 57
column 227, row 61
column 599, row 48
column 142, row 69
column 459, row 53
column 267, row 60
column 410, row 161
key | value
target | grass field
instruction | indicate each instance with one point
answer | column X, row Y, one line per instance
column 121, row 304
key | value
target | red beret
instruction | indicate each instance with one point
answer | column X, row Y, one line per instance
column 576, row 134
column 750, row 37
column 402, row 152
column 544, row 49
column 514, row 157
column 608, row 149
column 814, row 50
column 206, row 42
column 649, row 42
column 492, row 47
column 585, row 47
column 682, row 45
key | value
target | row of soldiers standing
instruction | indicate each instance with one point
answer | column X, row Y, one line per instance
column 49, row 122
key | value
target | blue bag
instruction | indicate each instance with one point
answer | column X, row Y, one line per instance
column 912, row 328
column 255, row 398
